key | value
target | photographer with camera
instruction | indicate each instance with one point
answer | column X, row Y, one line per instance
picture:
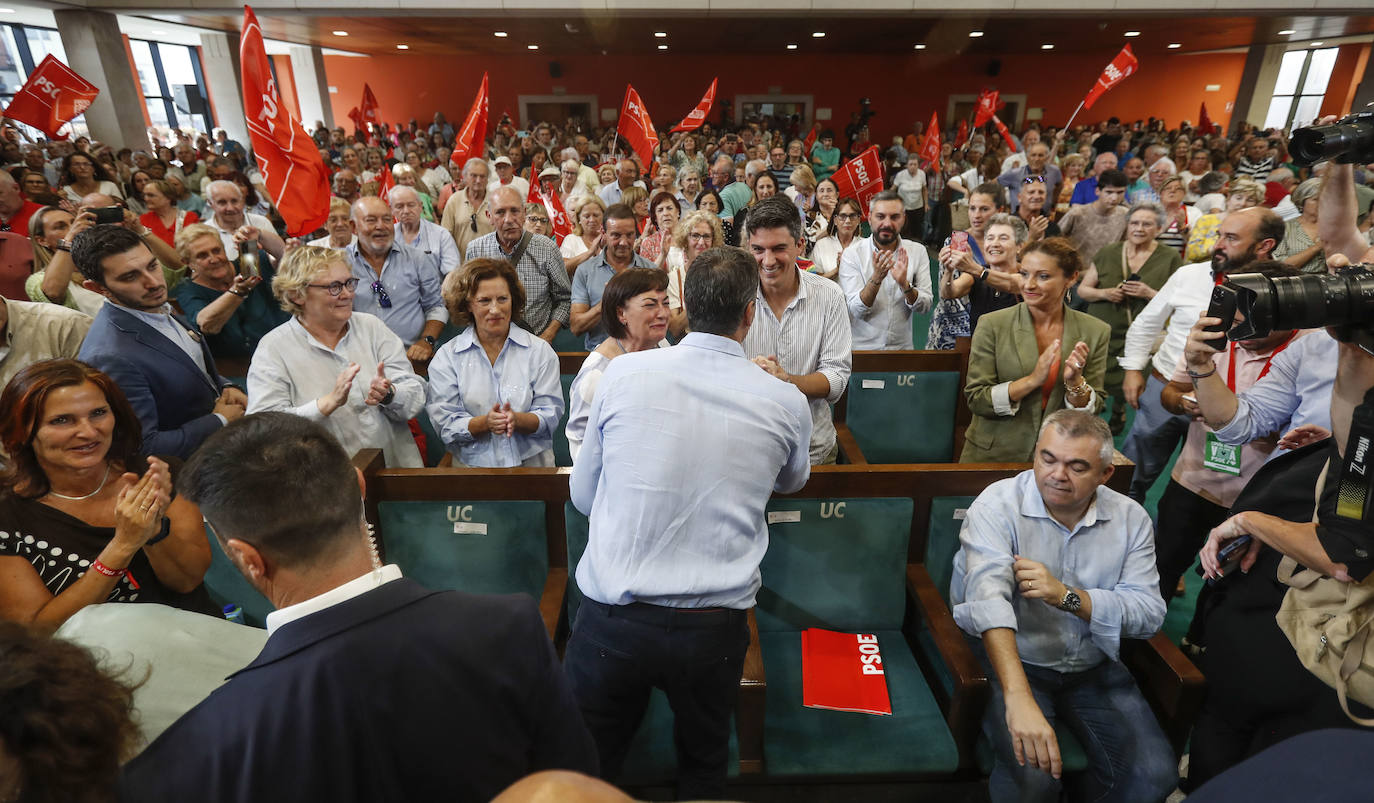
column 1270, row 676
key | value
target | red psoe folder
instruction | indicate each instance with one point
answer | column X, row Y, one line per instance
column 843, row 672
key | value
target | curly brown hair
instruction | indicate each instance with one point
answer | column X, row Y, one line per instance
column 65, row 722
column 462, row 283
column 21, row 413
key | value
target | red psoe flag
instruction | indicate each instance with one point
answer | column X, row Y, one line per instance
column 1006, row 135
column 697, row 116
column 388, row 183
column 810, row 140
column 51, row 97
column 861, row 178
column 988, row 104
column 1204, row 123
column 930, row 146
column 636, row 128
column 558, row 216
column 472, row 136
column 963, row 134
column 1121, row 68
column 367, row 110
column 291, row 167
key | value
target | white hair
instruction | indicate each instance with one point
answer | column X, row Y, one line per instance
column 221, row 184
column 400, row 188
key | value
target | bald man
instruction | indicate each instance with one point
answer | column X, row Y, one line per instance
column 396, row 282
column 413, row 230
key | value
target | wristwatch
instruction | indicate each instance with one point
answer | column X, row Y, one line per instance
column 430, row 340
column 1071, row 601
column 984, row 275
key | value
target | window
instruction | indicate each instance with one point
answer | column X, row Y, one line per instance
column 173, row 85
column 1300, row 87
column 22, row 48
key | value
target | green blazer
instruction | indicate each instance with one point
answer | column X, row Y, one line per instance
column 1004, row 350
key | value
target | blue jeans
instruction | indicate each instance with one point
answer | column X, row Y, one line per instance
column 1129, row 758
column 619, row 653
column 1152, row 440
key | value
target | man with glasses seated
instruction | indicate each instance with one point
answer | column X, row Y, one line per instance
column 397, row 283
column 416, row 232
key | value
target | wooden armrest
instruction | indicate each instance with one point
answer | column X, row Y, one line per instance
column 446, row 461
column 848, row 446
column 964, row 708
column 551, row 601
column 749, row 712
column 1169, row 681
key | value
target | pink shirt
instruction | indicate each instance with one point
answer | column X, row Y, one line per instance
column 1215, row 486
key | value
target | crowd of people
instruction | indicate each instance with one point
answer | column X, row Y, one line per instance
column 727, row 282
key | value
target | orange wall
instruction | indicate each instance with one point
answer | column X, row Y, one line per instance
column 903, row 89
column 1345, row 79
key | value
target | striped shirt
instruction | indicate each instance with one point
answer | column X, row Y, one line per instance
column 548, row 293
column 812, row 336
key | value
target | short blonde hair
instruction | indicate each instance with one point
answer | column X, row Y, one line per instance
column 299, row 268
column 804, row 179
column 633, row 195
column 576, row 211
column 189, row 235
column 337, row 204
column 1251, row 189
column 685, row 226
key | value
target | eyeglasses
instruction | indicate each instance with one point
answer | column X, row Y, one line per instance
column 383, row 300
column 536, row 219
column 701, row 238
column 1033, row 180
column 337, row 288
column 847, row 216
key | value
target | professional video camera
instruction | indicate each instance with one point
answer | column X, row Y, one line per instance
column 1343, row 301
column 865, row 112
column 1349, row 141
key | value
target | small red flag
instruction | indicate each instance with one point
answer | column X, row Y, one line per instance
column 472, row 137
column 1204, row 123
column 357, row 118
column 861, row 178
column 367, row 110
column 558, row 216
column 51, row 97
column 636, row 128
column 387, row 182
column 1006, row 135
column 930, row 147
column 963, row 134
column 810, row 140
column 290, row 164
column 697, row 116
column 988, row 104
column 1121, row 68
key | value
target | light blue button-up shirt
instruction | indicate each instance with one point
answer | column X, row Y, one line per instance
column 590, row 283
column 683, row 448
column 411, row 280
column 1296, row 391
column 464, row 384
column 1110, row 554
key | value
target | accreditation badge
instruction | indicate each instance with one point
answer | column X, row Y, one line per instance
column 1221, row 457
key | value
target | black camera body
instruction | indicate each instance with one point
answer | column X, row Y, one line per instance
column 1348, row 141
column 1342, row 302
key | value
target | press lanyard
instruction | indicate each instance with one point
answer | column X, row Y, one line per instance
column 1231, row 362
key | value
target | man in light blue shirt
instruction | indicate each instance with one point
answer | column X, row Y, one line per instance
column 1054, row 570
column 397, row 283
column 590, row 281
column 683, row 448
column 626, row 176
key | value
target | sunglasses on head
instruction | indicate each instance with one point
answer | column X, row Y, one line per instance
column 1033, row 180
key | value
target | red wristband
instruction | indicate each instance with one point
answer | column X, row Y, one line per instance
column 106, row 570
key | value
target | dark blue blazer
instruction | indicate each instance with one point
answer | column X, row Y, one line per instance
column 400, row 694
column 172, row 397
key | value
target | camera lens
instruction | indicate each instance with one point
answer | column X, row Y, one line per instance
column 1350, row 140
column 1303, row 302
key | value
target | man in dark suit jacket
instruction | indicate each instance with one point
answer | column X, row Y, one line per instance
column 159, row 360
column 370, row 687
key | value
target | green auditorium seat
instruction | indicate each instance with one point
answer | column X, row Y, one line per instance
column 226, row 586
column 942, row 543
column 478, row 546
column 903, row 416
column 652, row 758
column 434, row 443
column 565, row 340
column 840, row 564
column 561, row 455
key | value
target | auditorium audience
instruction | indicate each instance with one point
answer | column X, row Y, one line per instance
column 232, row 308
column 83, row 175
column 84, row 516
column 416, row 231
column 800, row 332
column 588, row 237
column 345, row 369
column 961, row 260
column 339, row 226
column 399, row 675
column 998, row 284
column 664, row 210
column 1121, row 280
column 1039, row 350
column 696, row 232
column 634, row 310
column 465, row 216
column 537, row 262
column 494, row 394
column 1301, row 247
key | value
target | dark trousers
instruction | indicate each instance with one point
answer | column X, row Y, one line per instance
column 914, row 227
column 1181, row 529
column 619, row 653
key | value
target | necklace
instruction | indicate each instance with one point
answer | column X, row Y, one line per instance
column 623, row 350
column 87, row 496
